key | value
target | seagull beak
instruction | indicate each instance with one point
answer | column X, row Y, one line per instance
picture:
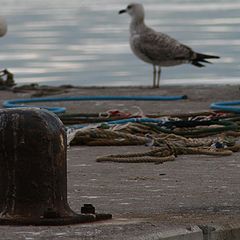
column 122, row 11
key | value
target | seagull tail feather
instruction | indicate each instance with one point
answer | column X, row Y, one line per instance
column 201, row 58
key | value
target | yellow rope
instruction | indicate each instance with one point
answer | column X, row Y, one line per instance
column 167, row 146
column 106, row 137
column 145, row 159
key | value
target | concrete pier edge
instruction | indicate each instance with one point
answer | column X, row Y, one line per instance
column 194, row 197
column 201, row 232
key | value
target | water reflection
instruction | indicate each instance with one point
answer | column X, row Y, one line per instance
column 86, row 43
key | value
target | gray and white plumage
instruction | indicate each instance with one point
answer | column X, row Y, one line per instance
column 3, row 27
column 3, row 31
column 157, row 48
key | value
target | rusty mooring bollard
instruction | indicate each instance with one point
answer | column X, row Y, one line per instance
column 33, row 171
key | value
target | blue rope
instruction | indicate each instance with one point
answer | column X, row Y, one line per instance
column 122, row 121
column 17, row 103
column 227, row 106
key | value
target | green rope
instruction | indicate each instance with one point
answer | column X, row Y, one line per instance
column 200, row 132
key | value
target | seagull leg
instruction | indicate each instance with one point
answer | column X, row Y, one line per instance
column 158, row 77
column 154, row 76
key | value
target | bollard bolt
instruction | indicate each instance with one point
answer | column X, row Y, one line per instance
column 88, row 209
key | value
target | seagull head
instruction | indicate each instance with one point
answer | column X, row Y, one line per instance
column 135, row 10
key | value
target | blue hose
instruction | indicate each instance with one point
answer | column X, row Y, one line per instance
column 227, row 106
column 17, row 103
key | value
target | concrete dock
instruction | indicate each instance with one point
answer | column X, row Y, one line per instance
column 194, row 197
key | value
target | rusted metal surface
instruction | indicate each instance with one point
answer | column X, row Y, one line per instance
column 33, row 170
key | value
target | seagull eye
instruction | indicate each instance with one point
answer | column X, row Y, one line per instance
column 129, row 7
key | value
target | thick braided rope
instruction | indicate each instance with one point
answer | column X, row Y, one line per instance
column 160, row 155
column 96, row 135
column 144, row 159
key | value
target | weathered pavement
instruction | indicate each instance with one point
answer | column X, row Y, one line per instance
column 194, row 197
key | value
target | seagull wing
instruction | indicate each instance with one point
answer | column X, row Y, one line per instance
column 159, row 47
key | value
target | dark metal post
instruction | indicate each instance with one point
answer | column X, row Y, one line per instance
column 33, row 171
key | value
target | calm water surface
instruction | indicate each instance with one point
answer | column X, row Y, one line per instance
column 86, row 42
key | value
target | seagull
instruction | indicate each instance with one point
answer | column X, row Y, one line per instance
column 3, row 27
column 157, row 48
column 3, row 31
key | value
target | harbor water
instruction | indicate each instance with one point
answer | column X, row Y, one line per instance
column 85, row 43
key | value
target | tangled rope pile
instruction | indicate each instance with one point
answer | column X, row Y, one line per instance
column 166, row 151
column 6, row 79
column 214, row 134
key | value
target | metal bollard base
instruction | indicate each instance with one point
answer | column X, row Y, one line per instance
column 77, row 219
